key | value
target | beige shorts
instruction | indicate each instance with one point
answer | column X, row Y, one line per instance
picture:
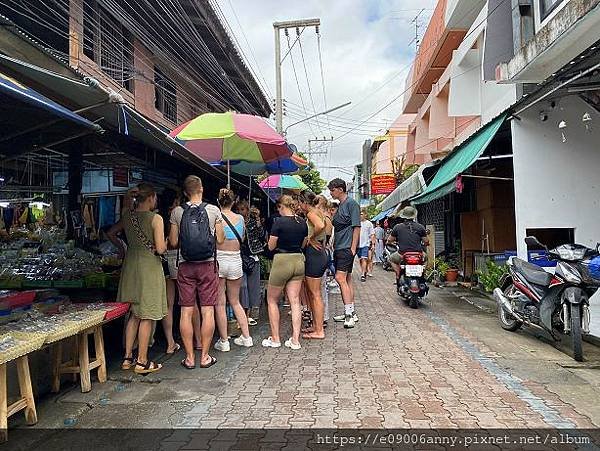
column 230, row 265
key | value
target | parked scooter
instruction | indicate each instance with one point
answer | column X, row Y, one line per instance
column 412, row 285
column 555, row 303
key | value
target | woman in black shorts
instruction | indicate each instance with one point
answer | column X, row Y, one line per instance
column 316, row 261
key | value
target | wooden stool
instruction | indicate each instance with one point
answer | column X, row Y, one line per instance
column 25, row 402
column 80, row 360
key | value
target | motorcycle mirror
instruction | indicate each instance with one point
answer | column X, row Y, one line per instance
column 533, row 241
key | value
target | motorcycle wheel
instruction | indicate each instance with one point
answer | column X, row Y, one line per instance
column 576, row 332
column 414, row 301
column 506, row 321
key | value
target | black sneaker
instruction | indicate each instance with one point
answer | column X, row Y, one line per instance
column 363, row 278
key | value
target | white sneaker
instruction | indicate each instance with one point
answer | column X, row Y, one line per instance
column 292, row 345
column 369, row 274
column 242, row 341
column 342, row 318
column 348, row 322
column 269, row 343
column 222, row 345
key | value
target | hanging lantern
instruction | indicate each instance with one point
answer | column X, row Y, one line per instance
column 587, row 121
column 561, row 126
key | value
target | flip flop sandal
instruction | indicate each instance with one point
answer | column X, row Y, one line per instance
column 252, row 322
column 212, row 362
column 127, row 366
column 186, row 366
column 177, row 348
column 147, row 368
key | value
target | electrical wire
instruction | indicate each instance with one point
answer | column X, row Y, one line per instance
column 266, row 85
column 423, row 76
column 310, row 96
column 298, row 82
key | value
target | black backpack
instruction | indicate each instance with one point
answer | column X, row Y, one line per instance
column 196, row 242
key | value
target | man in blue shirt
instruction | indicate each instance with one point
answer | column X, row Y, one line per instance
column 346, row 224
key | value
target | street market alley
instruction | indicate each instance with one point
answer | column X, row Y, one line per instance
column 446, row 365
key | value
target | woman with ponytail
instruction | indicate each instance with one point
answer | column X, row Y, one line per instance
column 287, row 237
column 142, row 281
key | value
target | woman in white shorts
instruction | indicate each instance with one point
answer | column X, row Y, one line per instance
column 229, row 259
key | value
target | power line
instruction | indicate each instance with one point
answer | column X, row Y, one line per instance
column 287, row 35
column 423, row 76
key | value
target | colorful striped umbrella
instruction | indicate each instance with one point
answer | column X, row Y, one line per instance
column 286, row 166
column 232, row 136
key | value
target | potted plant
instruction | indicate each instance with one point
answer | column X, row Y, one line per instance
column 439, row 267
column 453, row 269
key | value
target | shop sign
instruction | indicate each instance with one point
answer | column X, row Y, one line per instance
column 383, row 183
column 121, row 177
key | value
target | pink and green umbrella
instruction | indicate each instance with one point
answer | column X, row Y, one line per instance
column 276, row 185
column 230, row 136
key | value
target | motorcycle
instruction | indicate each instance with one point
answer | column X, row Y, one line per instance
column 385, row 257
column 556, row 302
column 412, row 285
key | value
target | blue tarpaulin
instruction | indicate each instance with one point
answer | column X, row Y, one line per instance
column 21, row 93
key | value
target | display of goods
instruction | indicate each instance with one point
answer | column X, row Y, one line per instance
column 78, row 283
column 112, row 309
column 95, row 280
column 111, row 261
column 14, row 345
column 15, row 299
column 9, row 283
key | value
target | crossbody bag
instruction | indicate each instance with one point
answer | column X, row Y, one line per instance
column 135, row 222
column 247, row 261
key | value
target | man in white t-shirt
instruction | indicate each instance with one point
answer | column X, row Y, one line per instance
column 366, row 244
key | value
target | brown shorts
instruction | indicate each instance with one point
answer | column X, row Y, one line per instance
column 198, row 282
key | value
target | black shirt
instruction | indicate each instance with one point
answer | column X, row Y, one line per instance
column 409, row 236
column 290, row 231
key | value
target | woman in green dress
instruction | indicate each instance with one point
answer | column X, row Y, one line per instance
column 142, row 281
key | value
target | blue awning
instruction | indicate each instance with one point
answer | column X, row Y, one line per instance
column 30, row 121
column 384, row 214
column 21, row 93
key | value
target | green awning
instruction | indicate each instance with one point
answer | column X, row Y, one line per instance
column 458, row 161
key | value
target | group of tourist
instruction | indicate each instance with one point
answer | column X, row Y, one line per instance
column 209, row 255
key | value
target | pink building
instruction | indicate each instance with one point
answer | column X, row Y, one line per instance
column 394, row 147
column 435, row 129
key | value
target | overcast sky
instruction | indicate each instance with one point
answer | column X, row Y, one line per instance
column 366, row 59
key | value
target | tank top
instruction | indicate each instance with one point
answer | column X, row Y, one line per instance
column 321, row 237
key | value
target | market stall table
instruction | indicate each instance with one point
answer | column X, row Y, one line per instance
column 81, row 322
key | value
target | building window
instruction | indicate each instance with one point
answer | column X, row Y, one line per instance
column 547, row 6
column 108, row 44
column 165, row 95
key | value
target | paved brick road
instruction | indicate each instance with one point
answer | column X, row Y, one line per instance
column 399, row 368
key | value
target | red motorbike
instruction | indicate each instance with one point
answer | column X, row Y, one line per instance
column 412, row 285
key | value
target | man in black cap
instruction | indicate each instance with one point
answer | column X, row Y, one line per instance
column 346, row 223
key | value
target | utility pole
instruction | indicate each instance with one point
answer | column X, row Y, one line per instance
column 278, row 26
column 318, row 152
column 417, row 24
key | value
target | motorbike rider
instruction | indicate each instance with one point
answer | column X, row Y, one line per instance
column 408, row 236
